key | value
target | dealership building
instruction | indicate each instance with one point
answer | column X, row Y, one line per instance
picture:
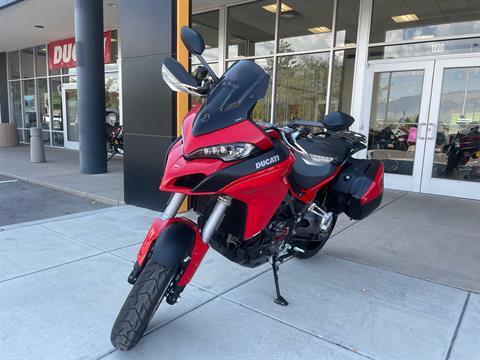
column 407, row 70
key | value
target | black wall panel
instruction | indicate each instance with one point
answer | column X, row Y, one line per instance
column 146, row 27
column 147, row 100
column 144, row 169
column 148, row 35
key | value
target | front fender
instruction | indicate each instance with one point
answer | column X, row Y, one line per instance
column 172, row 240
column 173, row 244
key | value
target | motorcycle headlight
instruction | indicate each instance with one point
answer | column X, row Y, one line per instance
column 225, row 152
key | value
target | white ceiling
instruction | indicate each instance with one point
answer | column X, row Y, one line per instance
column 17, row 22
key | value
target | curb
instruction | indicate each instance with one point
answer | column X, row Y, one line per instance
column 83, row 194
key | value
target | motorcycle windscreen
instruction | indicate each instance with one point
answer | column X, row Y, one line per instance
column 233, row 97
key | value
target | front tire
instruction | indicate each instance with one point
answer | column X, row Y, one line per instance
column 141, row 304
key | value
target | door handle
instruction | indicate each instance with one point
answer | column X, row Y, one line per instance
column 420, row 132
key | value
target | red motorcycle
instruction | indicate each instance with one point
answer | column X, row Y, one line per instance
column 259, row 192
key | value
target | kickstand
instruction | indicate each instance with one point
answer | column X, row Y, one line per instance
column 280, row 300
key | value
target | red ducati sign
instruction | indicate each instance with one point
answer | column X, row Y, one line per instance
column 62, row 53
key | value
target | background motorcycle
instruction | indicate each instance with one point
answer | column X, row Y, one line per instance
column 114, row 135
column 258, row 192
column 461, row 148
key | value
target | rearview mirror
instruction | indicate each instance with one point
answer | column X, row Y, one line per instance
column 178, row 79
column 192, row 40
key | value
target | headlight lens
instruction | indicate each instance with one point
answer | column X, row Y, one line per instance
column 225, row 152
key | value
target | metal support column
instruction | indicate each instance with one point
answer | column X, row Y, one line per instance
column 90, row 86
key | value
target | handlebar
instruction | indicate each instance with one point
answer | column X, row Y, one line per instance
column 295, row 129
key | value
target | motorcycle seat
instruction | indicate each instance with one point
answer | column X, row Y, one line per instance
column 305, row 176
column 332, row 152
column 329, row 147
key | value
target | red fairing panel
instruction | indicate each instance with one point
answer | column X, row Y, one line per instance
column 263, row 192
column 178, row 167
column 243, row 131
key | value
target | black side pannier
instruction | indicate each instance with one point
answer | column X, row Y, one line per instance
column 358, row 189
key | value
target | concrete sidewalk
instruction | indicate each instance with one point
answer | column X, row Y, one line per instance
column 62, row 172
column 63, row 281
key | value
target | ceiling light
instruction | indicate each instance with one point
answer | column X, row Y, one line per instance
column 319, row 29
column 273, row 8
column 39, row 26
column 405, row 18
column 114, row 5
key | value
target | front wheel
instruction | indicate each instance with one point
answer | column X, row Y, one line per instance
column 141, row 304
column 312, row 246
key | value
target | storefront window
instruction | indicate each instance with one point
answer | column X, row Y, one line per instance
column 400, row 21
column 301, row 87
column 16, row 103
column 457, row 150
column 29, row 108
column 69, row 71
column 54, row 72
column 14, row 65
column 57, row 138
column 112, row 112
column 41, row 60
column 35, row 91
column 305, row 25
column 26, row 56
column 446, row 47
column 342, row 80
column 69, row 79
column 207, row 25
column 261, row 112
column 251, row 29
column 43, row 104
column 395, row 111
column 347, row 22
column 56, row 95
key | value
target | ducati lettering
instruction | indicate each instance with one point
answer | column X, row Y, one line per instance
column 267, row 162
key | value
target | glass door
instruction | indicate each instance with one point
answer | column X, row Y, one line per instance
column 396, row 119
column 452, row 152
column 70, row 122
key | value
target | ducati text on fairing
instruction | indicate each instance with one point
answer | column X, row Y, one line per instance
column 266, row 162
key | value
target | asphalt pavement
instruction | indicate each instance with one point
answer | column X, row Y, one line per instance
column 21, row 201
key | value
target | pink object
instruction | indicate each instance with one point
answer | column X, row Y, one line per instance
column 412, row 135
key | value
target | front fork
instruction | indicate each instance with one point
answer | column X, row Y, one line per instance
column 202, row 238
column 213, row 221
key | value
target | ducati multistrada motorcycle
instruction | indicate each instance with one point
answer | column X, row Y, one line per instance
column 256, row 192
column 114, row 140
